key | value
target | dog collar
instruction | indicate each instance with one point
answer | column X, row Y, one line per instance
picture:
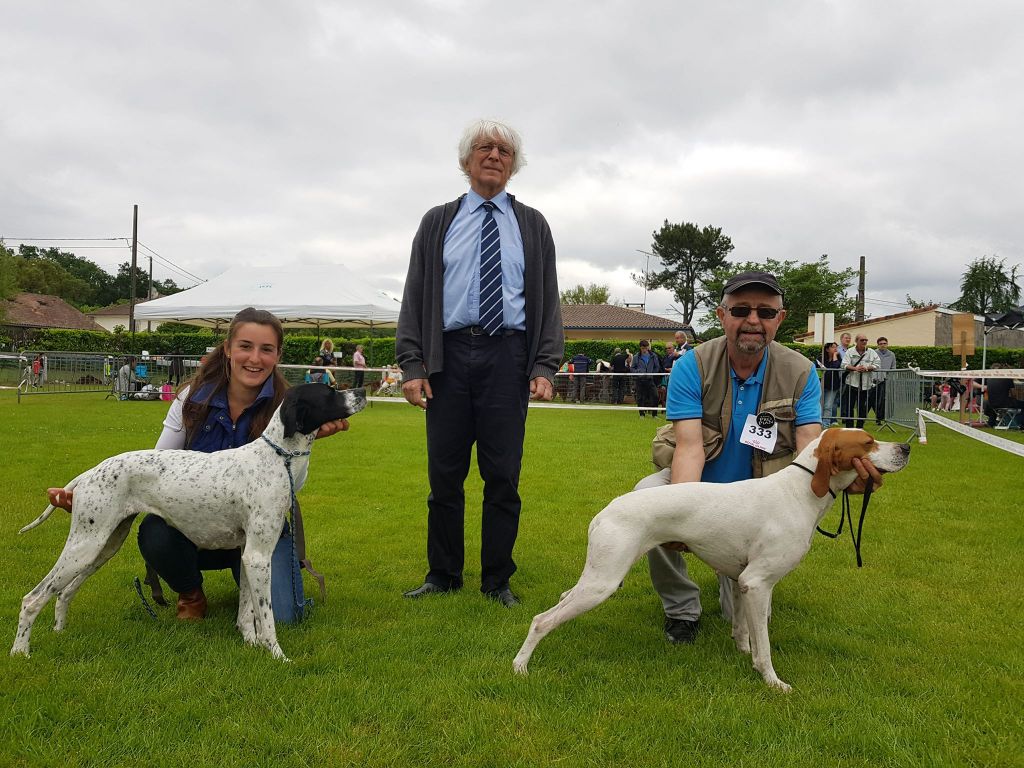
column 282, row 452
column 810, row 472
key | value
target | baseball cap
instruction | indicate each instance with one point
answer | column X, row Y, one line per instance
column 746, row 279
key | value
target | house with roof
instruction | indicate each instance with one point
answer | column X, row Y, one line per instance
column 930, row 326
column 27, row 312
column 608, row 321
column 117, row 314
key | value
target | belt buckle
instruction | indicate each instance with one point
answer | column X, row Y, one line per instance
column 476, row 330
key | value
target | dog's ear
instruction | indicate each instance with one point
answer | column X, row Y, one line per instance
column 826, row 453
column 290, row 414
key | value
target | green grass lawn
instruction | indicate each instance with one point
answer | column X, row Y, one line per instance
column 915, row 659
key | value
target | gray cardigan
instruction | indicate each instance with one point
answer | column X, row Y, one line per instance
column 419, row 341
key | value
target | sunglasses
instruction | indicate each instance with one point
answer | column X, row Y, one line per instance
column 765, row 313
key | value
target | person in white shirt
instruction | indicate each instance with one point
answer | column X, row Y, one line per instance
column 860, row 363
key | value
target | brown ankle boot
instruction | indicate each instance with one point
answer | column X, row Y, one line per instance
column 192, row 604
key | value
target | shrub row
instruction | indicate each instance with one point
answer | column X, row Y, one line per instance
column 300, row 349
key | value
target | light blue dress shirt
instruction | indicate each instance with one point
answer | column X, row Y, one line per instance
column 462, row 264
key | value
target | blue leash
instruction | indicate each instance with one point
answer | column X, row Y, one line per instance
column 302, row 607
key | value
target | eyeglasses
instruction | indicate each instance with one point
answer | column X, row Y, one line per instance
column 486, row 149
column 765, row 313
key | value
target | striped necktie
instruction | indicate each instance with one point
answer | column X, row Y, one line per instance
column 492, row 317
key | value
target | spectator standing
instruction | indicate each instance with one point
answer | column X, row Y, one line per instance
column 37, row 370
column 682, row 344
column 646, row 362
column 620, row 366
column 666, row 365
column 176, row 371
column 887, row 363
column 358, row 361
column 860, row 364
column 479, row 334
column 579, row 365
column 831, row 383
column 327, row 353
column 844, row 344
column 126, row 379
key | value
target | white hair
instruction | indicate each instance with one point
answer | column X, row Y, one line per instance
column 490, row 129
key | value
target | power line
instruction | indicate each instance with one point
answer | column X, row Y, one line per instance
column 170, row 264
column 55, row 239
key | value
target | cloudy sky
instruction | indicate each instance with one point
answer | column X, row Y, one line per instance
column 270, row 133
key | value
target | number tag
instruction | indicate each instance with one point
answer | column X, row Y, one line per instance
column 760, row 432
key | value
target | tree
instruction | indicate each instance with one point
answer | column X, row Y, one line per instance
column 8, row 272
column 591, row 294
column 808, row 287
column 690, row 255
column 915, row 304
column 987, row 287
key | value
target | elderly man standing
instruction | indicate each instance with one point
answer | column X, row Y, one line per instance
column 860, row 364
column 741, row 406
column 479, row 334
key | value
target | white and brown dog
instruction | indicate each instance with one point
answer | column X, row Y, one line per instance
column 753, row 531
column 224, row 500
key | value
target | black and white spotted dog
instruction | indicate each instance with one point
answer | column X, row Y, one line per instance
column 224, row 500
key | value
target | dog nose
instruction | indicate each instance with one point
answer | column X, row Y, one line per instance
column 905, row 449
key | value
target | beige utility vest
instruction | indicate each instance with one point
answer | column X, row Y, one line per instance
column 785, row 377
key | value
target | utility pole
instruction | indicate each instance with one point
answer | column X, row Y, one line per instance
column 135, row 252
column 149, row 293
column 860, row 293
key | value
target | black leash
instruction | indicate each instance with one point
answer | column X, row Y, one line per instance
column 302, row 606
column 846, row 514
column 142, row 597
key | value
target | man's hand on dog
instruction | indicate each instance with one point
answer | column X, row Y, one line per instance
column 865, row 469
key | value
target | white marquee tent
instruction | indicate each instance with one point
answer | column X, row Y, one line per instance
column 301, row 297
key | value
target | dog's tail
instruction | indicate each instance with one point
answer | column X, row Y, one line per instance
column 49, row 507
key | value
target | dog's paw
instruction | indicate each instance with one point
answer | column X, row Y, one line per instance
column 520, row 668
column 779, row 685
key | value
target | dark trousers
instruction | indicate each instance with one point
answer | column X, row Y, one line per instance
column 646, row 395
column 357, row 379
column 855, row 399
column 480, row 397
column 877, row 401
column 618, row 389
column 177, row 560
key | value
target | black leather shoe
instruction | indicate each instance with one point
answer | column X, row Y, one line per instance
column 504, row 596
column 681, row 630
column 428, row 588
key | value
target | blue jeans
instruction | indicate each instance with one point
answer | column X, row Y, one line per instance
column 830, row 408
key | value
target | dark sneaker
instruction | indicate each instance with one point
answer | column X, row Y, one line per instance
column 681, row 630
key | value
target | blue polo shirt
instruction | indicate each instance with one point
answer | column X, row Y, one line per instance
column 734, row 462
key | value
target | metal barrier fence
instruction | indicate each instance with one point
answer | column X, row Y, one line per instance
column 55, row 372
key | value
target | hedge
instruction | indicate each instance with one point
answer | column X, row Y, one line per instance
column 300, row 349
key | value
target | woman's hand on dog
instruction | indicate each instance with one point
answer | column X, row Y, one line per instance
column 332, row 428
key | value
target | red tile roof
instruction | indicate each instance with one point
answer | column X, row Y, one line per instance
column 37, row 310
column 608, row 317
